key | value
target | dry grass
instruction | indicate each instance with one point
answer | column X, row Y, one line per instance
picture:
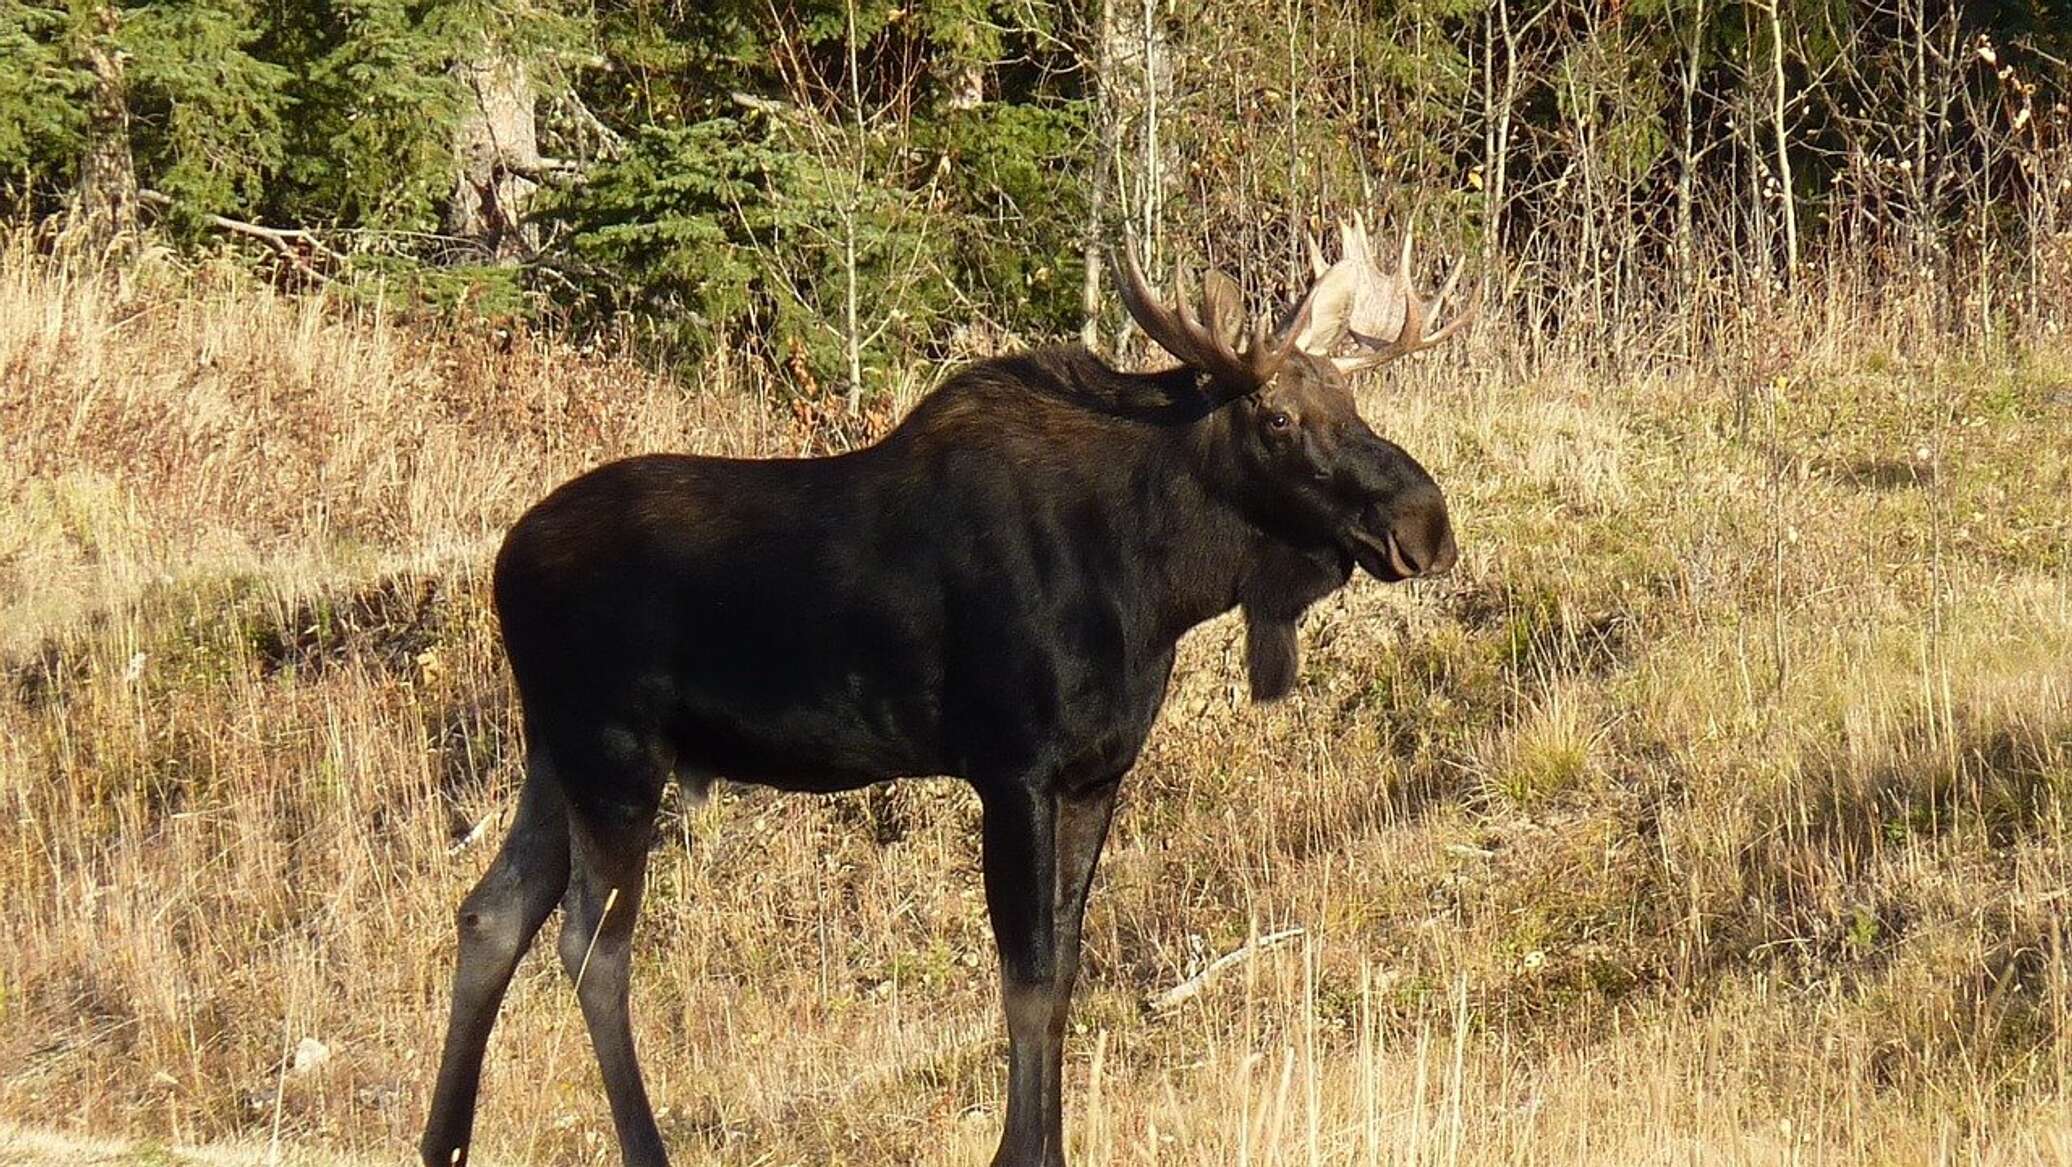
column 1712, row 812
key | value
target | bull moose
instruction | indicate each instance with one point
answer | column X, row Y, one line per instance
column 993, row 591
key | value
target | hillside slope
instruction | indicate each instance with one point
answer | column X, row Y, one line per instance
column 1713, row 810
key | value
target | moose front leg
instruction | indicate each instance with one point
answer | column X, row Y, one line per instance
column 1040, row 852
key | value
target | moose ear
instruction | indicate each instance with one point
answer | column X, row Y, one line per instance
column 1272, row 657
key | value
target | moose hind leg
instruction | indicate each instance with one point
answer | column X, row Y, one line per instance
column 609, row 850
column 496, row 922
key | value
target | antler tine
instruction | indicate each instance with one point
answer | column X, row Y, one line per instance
column 1294, row 331
column 1265, row 359
column 1465, row 317
column 1414, row 309
column 1417, row 315
column 1201, row 317
column 1220, row 294
column 1137, row 297
column 1200, row 324
column 1178, row 331
column 1413, row 324
column 1352, row 237
column 1431, row 308
column 1151, row 313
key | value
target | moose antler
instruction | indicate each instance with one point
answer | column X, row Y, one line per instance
column 1354, row 299
column 1208, row 341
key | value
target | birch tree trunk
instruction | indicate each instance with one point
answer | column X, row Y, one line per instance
column 1780, row 119
column 1105, row 56
column 1687, row 156
column 1142, row 55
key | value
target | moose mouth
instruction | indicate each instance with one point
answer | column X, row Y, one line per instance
column 1378, row 554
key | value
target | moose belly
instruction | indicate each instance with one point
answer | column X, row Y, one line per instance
column 788, row 723
column 808, row 742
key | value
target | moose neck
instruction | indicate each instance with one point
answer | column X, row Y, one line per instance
column 1162, row 464
column 1217, row 555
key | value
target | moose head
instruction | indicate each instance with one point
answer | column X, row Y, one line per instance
column 1286, row 443
column 1299, row 454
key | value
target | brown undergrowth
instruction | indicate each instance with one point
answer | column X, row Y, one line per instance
column 1712, row 811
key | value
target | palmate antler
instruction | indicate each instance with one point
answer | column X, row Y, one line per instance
column 1354, row 300
column 1208, row 341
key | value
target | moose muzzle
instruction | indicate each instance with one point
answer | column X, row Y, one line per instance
column 1407, row 539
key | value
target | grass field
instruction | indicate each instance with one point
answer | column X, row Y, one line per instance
column 1712, row 811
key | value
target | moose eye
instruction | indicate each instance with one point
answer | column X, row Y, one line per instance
column 1279, row 420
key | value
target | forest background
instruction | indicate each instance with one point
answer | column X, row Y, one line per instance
column 839, row 189
column 1713, row 810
